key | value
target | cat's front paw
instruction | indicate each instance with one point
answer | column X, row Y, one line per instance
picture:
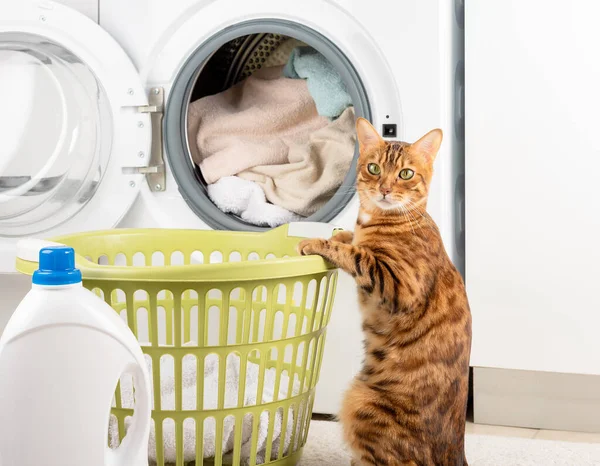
column 311, row 246
column 344, row 237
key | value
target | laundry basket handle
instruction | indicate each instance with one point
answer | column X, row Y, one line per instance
column 133, row 451
column 28, row 249
column 311, row 229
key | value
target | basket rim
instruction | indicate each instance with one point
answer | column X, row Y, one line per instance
column 249, row 270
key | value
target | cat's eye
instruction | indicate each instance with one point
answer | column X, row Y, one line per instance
column 374, row 169
column 406, row 174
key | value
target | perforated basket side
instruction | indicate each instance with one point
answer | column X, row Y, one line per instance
column 276, row 327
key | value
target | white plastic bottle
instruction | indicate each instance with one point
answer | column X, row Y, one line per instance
column 61, row 356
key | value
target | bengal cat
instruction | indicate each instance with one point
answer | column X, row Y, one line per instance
column 407, row 406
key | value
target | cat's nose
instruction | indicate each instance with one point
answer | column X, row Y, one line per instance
column 385, row 190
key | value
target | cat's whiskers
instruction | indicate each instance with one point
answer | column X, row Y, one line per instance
column 411, row 212
column 418, row 204
column 406, row 216
column 418, row 210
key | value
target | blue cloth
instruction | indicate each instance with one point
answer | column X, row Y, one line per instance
column 324, row 82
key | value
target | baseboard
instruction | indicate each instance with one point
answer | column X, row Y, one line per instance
column 540, row 400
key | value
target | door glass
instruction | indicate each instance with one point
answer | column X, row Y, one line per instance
column 56, row 134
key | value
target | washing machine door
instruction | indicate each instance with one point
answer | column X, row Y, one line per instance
column 74, row 123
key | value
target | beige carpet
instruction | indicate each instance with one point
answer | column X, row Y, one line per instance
column 325, row 448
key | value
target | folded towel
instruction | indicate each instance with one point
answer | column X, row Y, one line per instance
column 253, row 123
column 247, row 200
column 324, row 82
column 313, row 171
column 211, row 391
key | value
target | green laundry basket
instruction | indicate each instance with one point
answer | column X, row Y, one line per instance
column 200, row 298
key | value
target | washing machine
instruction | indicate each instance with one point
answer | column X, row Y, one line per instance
column 95, row 96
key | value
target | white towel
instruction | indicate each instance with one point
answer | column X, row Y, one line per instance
column 247, row 199
column 211, row 390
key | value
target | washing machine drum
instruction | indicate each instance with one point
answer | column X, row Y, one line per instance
column 226, row 66
column 239, row 58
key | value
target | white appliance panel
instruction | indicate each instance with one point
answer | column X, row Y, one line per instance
column 533, row 197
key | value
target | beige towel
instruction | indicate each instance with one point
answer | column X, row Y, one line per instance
column 314, row 170
column 253, row 123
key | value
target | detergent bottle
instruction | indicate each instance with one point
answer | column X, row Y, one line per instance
column 61, row 356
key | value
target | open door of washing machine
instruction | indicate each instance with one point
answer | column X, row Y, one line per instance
column 75, row 125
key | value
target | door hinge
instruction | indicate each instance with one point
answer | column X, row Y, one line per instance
column 155, row 171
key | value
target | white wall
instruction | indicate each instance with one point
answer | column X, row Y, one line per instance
column 13, row 288
column 533, row 196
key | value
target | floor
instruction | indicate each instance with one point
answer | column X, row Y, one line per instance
column 484, row 446
column 538, row 434
column 515, row 432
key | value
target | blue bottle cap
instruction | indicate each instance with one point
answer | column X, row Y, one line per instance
column 57, row 267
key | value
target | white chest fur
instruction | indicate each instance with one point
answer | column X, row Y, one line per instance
column 364, row 217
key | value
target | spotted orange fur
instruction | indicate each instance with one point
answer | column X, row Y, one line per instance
column 407, row 406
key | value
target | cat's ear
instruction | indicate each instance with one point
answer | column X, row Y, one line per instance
column 429, row 145
column 368, row 137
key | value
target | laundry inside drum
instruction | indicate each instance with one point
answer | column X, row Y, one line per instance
column 270, row 128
